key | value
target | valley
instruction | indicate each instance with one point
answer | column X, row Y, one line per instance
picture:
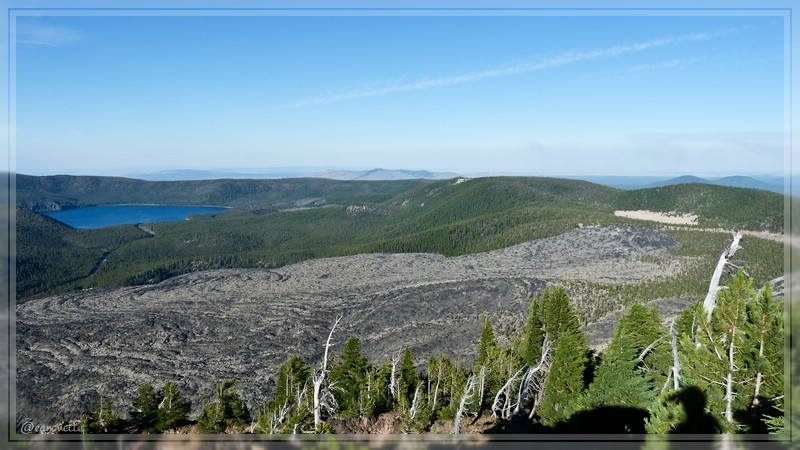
column 413, row 263
column 271, row 223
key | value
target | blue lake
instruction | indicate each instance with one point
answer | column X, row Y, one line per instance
column 107, row 215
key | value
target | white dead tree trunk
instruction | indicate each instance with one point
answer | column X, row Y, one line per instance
column 534, row 380
column 101, row 418
column 322, row 401
column 713, row 288
column 481, row 384
column 414, row 403
column 676, row 362
column 439, row 374
column 504, row 393
column 729, row 380
column 302, row 396
column 464, row 403
column 759, row 375
column 278, row 417
column 369, row 391
column 393, row 381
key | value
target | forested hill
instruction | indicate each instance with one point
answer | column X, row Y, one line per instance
column 272, row 223
column 741, row 208
column 65, row 191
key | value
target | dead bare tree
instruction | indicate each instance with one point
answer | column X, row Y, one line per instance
column 278, row 416
column 503, row 394
column 302, row 396
column 439, row 374
column 533, row 380
column 466, row 400
column 412, row 413
column 323, row 398
column 724, row 260
column 101, row 417
column 675, row 370
column 394, row 388
column 481, row 385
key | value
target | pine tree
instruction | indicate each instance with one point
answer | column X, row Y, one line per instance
column 226, row 410
column 557, row 315
column 436, row 374
column 173, row 410
column 732, row 364
column 145, row 409
column 717, row 358
column 533, row 336
column 291, row 405
column 456, row 381
column 565, row 381
column 618, row 381
column 102, row 420
column 377, row 398
column 294, row 376
column 349, row 376
column 487, row 342
column 635, row 364
column 156, row 412
column 490, row 368
column 408, row 378
column 501, row 364
column 765, row 331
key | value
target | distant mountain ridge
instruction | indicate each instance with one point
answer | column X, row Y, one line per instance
column 233, row 174
column 732, row 181
column 376, row 174
column 766, row 183
column 384, row 174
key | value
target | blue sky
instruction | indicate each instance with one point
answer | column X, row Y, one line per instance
column 545, row 95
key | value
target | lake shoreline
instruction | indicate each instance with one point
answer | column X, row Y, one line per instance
column 101, row 216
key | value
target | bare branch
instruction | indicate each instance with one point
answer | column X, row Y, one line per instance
column 676, row 362
column 464, row 403
column 323, row 399
column 504, row 392
column 481, row 382
column 649, row 348
column 414, row 406
column 713, row 288
column 533, row 380
column 393, row 381
column 669, row 376
column 773, row 283
column 439, row 373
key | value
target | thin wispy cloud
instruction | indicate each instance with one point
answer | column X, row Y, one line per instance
column 549, row 62
column 664, row 65
column 41, row 34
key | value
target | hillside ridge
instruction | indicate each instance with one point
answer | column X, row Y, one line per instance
column 273, row 223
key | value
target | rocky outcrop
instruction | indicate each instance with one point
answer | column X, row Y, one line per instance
column 78, row 348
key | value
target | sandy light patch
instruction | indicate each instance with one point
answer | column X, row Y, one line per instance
column 671, row 217
column 777, row 237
